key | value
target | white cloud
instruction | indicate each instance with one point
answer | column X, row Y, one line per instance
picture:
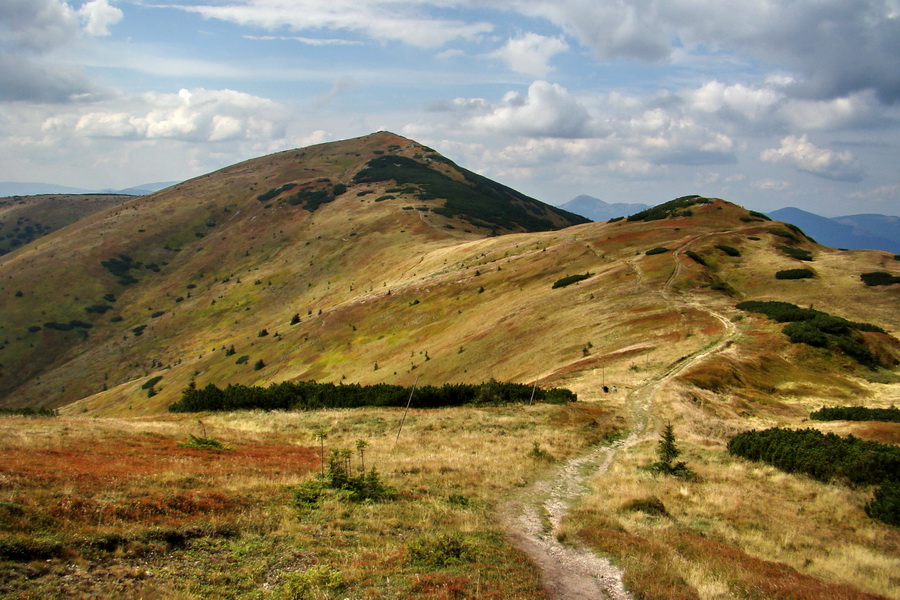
column 771, row 184
column 36, row 25
column 197, row 115
column 803, row 155
column 547, row 111
column 390, row 20
column 98, row 16
column 530, row 53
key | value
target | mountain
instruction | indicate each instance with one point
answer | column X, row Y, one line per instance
column 365, row 259
column 854, row 232
column 598, row 210
column 24, row 219
column 15, row 188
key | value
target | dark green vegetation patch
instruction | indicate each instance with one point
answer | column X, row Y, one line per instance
column 797, row 253
column 856, row 413
column 826, row 457
column 570, row 279
column 669, row 209
column 817, row 328
column 478, row 200
column 879, row 278
column 795, row 274
column 310, row 395
column 729, row 250
column 695, row 257
column 657, row 250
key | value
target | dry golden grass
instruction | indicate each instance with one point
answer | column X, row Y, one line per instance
column 110, row 500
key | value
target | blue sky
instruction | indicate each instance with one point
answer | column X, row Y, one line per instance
column 767, row 103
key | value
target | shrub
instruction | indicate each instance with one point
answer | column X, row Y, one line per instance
column 795, row 274
column 259, row 365
column 295, row 319
column 885, row 505
column 204, row 443
column 98, row 308
column 157, row 314
column 856, row 413
column 151, row 382
column 651, row 506
column 876, row 278
column 695, row 257
column 730, row 251
column 760, row 215
column 820, row 455
column 796, row 253
column 569, row 280
column 441, row 550
column 667, row 451
column 274, row 192
column 262, row 333
column 657, row 250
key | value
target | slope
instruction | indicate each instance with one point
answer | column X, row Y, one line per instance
column 161, row 281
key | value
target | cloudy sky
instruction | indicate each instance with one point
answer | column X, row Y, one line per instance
column 767, row 103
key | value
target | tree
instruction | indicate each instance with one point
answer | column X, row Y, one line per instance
column 667, row 452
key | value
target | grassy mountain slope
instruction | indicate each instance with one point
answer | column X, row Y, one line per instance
column 385, row 292
column 24, row 219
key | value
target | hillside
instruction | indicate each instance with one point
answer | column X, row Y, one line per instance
column 376, row 260
column 24, row 219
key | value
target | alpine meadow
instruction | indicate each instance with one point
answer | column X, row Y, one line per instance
column 359, row 370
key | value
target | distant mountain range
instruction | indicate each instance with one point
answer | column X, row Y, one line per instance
column 853, row 232
column 598, row 210
column 17, row 188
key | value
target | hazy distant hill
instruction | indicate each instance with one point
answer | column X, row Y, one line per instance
column 598, row 210
column 854, row 232
column 15, row 188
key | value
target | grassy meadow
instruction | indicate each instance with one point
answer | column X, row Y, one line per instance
column 103, row 508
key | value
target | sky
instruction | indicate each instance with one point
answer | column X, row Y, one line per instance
column 766, row 103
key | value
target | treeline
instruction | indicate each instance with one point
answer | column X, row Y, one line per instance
column 310, row 395
column 826, row 457
column 856, row 413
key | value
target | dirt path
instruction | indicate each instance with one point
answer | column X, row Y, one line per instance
column 532, row 520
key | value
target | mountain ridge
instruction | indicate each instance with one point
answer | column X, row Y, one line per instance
column 376, row 259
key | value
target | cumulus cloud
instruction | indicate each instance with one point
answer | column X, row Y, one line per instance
column 98, row 16
column 197, row 115
column 392, row 20
column 548, row 110
column 530, row 53
column 803, row 155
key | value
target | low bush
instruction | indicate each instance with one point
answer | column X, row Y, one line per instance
column 318, row 581
column 695, row 257
column 310, row 395
column 657, row 250
column 795, row 274
column 441, row 550
column 856, row 413
column 570, row 279
column 730, row 251
column 885, row 505
column 797, row 253
column 877, row 278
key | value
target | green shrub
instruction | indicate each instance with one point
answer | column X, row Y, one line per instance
column 204, row 443
column 797, row 253
column 823, row 456
column 570, row 279
column 695, row 257
column 151, row 382
column 651, row 506
column 760, row 215
column 442, row 550
column 241, row 360
column 803, row 332
column 856, row 413
column 885, row 505
column 730, row 251
column 876, row 278
column 274, row 192
column 795, row 274
column 657, row 250
column 98, row 308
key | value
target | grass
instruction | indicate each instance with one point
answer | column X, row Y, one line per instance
column 122, row 507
